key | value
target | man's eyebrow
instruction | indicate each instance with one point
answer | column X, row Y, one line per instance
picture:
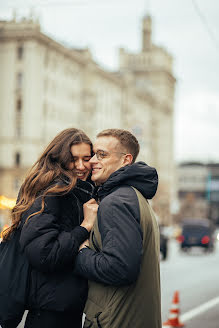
column 99, row 150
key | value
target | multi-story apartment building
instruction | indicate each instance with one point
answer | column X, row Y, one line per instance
column 198, row 190
column 46, row 87
column 213, row 191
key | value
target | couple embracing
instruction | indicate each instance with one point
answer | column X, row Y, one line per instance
column 90, row 235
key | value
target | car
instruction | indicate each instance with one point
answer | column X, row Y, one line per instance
column 163, row 245
column 197, row 233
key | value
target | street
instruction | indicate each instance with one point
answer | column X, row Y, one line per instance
column 195, row 276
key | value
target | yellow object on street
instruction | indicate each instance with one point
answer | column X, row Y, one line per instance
column 7, row 202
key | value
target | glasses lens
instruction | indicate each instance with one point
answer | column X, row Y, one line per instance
column 100, row 155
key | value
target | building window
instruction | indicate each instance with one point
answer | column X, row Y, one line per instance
column 17, row 159
column 20, row 52
column 19, row 105
column 18, row 117
column 19, row 80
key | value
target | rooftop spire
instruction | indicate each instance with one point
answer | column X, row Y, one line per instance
column 147, row 6
column 146, row 32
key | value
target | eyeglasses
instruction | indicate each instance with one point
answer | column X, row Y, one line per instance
column 101, row 154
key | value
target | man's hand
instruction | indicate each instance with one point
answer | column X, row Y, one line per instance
column 90, row 213
column 84, row 244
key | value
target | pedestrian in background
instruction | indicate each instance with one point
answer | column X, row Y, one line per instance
column 122, row 262
column 50, row 206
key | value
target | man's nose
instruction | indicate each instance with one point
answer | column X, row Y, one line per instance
column 93, row 159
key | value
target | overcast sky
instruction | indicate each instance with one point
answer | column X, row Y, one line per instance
column 188, row 29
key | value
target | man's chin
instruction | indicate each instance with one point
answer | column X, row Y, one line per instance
column 95, row 180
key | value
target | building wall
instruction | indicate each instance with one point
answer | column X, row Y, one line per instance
column 137, row 119
column 102, row 101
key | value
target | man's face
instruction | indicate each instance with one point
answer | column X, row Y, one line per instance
column 111, row 158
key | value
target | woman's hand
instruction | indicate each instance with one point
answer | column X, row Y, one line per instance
column 90, row 213
column 85, row 244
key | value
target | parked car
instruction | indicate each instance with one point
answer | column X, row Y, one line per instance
column 198, row 233
column 163, row 244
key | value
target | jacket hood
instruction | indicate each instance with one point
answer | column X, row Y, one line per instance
column 138, row 175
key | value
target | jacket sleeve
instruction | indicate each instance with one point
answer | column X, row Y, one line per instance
column 118, row 263
column 47, row 247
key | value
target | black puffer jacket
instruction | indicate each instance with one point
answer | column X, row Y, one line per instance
column 119, row 261
column 51, row 241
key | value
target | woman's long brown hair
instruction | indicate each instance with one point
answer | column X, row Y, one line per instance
column 41, row 180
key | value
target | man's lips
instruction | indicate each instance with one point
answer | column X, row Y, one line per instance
column 95, row 169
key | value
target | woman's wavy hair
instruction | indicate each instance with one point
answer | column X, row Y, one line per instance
column 41, row 179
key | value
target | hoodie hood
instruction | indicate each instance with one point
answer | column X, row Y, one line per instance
column 138, row 175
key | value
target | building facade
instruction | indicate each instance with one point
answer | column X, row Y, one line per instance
column 46, row 87
column 198, row 190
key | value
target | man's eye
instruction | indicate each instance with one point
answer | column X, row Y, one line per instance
column 101, row 154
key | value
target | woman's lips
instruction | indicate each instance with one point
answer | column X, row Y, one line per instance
column 81, row 175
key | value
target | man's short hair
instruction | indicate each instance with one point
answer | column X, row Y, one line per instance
column 127, row 140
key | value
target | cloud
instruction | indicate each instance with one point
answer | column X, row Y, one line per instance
column 196, row 127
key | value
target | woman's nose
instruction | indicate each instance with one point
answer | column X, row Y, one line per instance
column 79, row 165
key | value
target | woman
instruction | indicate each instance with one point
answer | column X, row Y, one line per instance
column 50, row 206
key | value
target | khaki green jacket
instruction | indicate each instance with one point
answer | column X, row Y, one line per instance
column 137, row 305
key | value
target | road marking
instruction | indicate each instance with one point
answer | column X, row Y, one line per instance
column 199, row 309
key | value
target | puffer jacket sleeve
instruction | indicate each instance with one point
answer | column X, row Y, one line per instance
column 118, row 263
column 47, row 247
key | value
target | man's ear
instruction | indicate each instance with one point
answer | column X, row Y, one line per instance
column 127, row 159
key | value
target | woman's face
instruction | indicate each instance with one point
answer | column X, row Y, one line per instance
column 80, row 165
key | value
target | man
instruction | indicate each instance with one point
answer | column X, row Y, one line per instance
column 122, row 260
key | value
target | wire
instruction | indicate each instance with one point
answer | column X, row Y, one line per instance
column 57, row 3
column 205, row 23
column 62, row 4
column 48, row 4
